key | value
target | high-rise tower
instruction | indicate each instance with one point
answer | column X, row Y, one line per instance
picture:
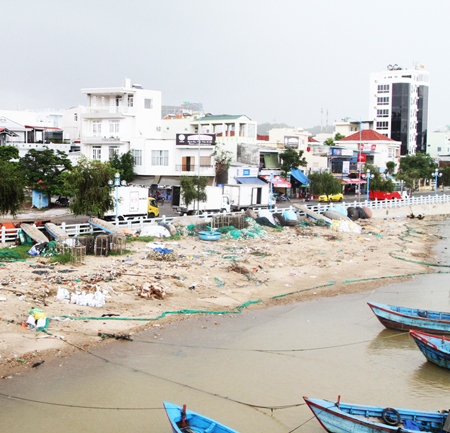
column 399, row 106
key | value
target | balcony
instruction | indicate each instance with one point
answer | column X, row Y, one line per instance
column 110, row 112
column 192, row 170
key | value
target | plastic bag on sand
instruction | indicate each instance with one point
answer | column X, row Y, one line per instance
column 345, row 226
column 155, row 231
column 96, row 299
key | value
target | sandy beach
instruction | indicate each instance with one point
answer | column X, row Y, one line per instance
column 295, row 264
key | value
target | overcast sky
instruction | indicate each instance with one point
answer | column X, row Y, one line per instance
column 274, row 61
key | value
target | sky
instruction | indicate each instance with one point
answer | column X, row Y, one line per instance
column 303, row 63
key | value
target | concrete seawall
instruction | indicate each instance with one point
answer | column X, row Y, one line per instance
column 403, row 211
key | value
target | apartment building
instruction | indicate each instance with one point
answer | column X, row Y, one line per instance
column 399, row 106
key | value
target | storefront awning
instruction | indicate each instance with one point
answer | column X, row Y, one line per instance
column 278, row 181
column 353, row 181
column 249, row 180
column 298, row 174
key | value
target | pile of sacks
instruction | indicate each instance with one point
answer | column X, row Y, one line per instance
column 352, row 213
column 96, row 299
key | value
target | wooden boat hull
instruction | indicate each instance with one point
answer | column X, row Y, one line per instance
column 34, row 233
column 336, row 417
column 195, row 422
column 411, row 319
column 435, row 349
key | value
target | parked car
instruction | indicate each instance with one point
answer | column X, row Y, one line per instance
column 331, row 197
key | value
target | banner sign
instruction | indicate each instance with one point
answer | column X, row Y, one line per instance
column 291, row 141
column 345, row 167
column 194, row 139
column 366, row 146
column 341, row 152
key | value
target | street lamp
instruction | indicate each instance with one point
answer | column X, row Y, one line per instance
column 436, row 175
column 116, row 184
column 198, row 155
column 358, row 162
column 368, row 176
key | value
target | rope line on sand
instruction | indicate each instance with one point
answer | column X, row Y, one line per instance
column 254, row 406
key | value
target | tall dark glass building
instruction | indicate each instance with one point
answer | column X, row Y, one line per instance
column 399, row 106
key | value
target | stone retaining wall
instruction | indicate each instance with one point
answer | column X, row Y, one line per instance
column 403, row 211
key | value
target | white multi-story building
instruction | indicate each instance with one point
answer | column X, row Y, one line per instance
column 399, row 106
column 128, row 118
column 438, row 144
column 119, row 119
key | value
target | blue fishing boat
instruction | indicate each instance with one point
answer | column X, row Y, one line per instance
column 411, row 319
column 337, row 417
column 186, row 421
column 436, row 349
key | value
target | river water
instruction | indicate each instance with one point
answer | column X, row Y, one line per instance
column 273, row 357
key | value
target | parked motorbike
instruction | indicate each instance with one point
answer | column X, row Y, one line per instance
column 282, row 197
column 62, row 201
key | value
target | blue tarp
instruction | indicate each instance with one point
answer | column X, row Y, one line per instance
column 300, row 176
column 250, row 181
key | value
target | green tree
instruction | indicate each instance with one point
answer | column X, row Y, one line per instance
column 124, row 164
column 87, row 183
column 193, row 188
column 378, row 183
column 445, row 179
column 415, row 167
column 324, row 183
column 45, row 167
column 8, row 152
column 332, row 141
column 390, row 167
column 12, row 184
column 222, row 159
column 291, row 158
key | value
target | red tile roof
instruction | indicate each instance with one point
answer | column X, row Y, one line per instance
column 366, row 135
column 311, row 140
column 262, row 137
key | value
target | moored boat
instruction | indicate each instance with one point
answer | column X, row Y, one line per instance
column 411, row 319
column 186, row 421
column 337, row 417
column 435, row 348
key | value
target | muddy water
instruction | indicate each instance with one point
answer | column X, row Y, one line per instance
column 271, row 357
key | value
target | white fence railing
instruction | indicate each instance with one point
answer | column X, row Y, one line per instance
column 9, row 235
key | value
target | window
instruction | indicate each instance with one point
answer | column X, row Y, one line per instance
column 251, row 130
column 383, row 112
column 137, row 156
column 148, row 103
column 114, row 127
column 130, row 100
column 384, row 100
column 391, row 152
column 382, row 125
column 160, row 157
column 112, row 151
column 97, row 128
column 75, row 117
column 383, row 88
column 97, row 152
column 439, row 149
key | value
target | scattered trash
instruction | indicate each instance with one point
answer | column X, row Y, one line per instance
column 149, row 290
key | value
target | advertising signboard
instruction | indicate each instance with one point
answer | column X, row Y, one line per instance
column 193, row 139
